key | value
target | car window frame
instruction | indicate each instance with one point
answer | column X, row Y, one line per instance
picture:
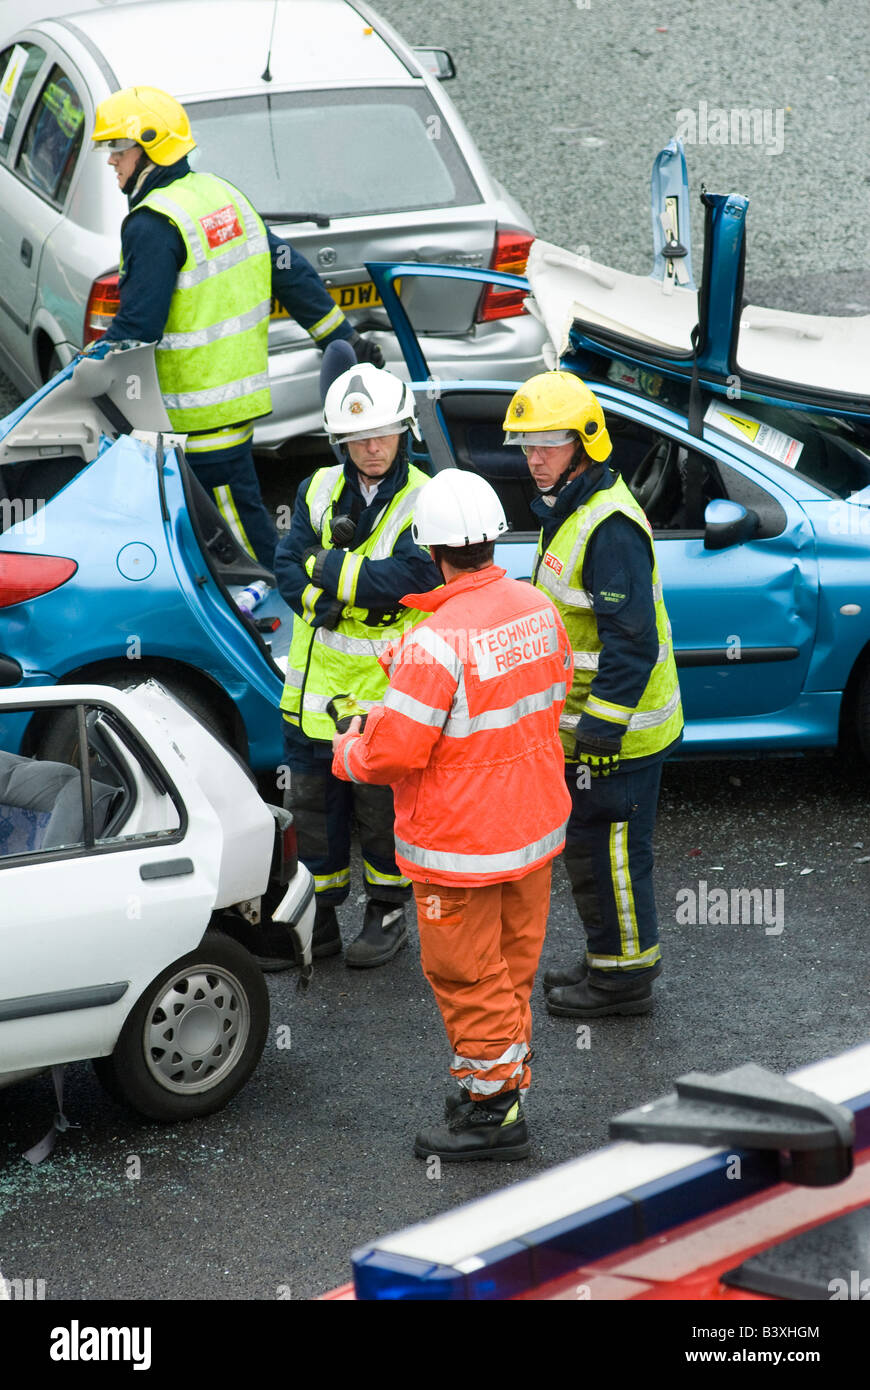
column 150, row 765
column 54, row 56
column 38, row 41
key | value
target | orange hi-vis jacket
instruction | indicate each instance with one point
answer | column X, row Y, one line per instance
column 468, row 733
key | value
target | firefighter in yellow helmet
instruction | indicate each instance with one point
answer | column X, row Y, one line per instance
column 597, row 562
column 198, row 273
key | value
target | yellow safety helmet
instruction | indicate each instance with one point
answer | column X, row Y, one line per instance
column 148, row 117
column 558, row 401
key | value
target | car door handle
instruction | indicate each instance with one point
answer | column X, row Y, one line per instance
column 26, row 251
column 165, row 868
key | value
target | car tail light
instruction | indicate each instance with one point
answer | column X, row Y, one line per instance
column 510, row 254
column 103, row 301
column 23, row 577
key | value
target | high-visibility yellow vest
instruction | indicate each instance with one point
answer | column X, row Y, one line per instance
column 344, row 661
column 212, row 361
column 658, row 717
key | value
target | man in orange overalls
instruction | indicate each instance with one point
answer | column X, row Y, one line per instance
column 468, row 737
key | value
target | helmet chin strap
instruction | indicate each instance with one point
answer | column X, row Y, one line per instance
column 551, row 493
column 129, row 188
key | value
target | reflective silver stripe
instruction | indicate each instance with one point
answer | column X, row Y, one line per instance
column 327, row 324
column 576, row 598
column 482, row 863
column 623, row 895
column 216, row 395
column 604, row 709
column 227, row 438
column 434, row 646
column 323, row 495
column 227, row 328
column 294, row 678
column 479, row 1087
column 345, row 761
column 515, row 1053
column 257, row 246
column 648, row 957
column 227, row 507
column 646, row 719
column 588, row 661
column 351, row 646
column 316, row 704
column 462, row 727
column 383, row 546
column 348, row 576
column 414, row 709
column 160, row 201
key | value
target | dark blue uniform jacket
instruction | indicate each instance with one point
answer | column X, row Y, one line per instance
column 381, row 583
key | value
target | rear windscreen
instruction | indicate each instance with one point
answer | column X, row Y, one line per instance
column 340, row 153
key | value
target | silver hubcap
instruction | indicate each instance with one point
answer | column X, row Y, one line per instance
column 196, row 1029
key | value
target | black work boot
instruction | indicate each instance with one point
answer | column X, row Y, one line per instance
column 454, row 1100
column 326, row 937
column 557, row 979
column 494, row 1128
column 384, row 932
column 594, row 997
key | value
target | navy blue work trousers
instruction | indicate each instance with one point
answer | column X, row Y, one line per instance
column 609, row 859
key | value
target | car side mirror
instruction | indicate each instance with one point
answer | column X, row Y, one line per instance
column 728, row 523
column 437, row 62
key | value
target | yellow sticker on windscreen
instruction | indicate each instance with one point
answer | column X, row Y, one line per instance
column 782, row 448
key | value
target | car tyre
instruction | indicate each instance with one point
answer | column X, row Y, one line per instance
column 194, row 1037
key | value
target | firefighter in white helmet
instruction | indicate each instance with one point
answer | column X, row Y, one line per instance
column 468, row 736
column 343, row 568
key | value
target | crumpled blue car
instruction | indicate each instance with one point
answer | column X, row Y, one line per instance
column 115, row 565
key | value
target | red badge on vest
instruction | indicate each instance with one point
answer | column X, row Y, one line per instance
column 221, row 226
column 552, row 563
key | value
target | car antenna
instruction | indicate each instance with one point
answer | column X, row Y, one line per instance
column 266, row 75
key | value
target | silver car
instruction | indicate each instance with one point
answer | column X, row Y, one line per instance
column 320, row 113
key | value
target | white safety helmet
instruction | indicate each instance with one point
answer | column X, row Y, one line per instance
column 456, row 508
column 367, row 402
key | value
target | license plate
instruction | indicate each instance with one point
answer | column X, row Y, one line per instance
column 347, row 297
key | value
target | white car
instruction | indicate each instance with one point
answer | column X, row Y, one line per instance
column 113, row 884
column 334, row 128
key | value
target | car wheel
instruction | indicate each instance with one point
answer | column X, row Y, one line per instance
column 194, row 1037
column 57, row 741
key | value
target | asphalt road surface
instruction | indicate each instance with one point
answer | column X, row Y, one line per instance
column 265, row 1201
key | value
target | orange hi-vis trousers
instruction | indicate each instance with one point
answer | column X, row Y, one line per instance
column 479, row 948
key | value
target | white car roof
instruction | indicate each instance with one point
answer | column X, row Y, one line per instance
column 201, row 48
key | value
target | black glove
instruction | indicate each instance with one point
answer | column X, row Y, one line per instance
column 333, row 616
column 600, row 755
column 313, row 561
column 366, row 350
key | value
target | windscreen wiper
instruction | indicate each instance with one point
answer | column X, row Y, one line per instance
column 319, row 217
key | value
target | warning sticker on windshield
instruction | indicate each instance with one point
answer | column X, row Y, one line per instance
column 738, row 425
column 9, row 83
column 221, row 226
